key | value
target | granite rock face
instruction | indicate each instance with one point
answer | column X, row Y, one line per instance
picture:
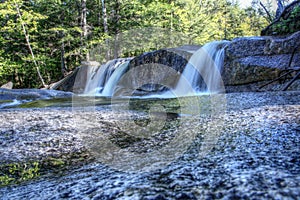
column 256, row 59
column 177, row 58
column 254, row 156
column 161, row 68
column 8, row 85
column 75, row 81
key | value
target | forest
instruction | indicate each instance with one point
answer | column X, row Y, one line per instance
column 43, row 40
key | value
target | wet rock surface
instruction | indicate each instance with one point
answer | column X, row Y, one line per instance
column 32, row 94
column 255, row 155
column 176, row 58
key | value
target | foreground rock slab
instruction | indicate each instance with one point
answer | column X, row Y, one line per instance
column 256, row 155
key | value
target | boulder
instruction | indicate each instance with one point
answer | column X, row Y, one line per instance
column 8, row 85
column 176, row 58
column 161, row 68
column 76, row 80
column 251, row 60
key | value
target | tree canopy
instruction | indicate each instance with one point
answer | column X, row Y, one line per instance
column 43, row 40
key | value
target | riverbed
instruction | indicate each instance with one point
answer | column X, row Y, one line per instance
column 237, row 145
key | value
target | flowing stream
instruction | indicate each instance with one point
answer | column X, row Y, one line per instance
column 203, row 71
column 101, row 80
column 201, row 75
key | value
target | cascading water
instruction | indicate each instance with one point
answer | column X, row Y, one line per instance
column 203, row 71
column 202, row 74
column 113, row 80
column 101, row 80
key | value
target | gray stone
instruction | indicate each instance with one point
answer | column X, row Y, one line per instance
column 8, row 85
column 256, row 155
column 257, row 59
column 31, row 94
column 75, row 81
column 162, row 68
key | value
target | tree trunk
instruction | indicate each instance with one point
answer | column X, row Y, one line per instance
column 29, row 46
column 117, row 29
column 270, row 18
column 99, row 10
column 104, row 14
column 84, row 22
column 84, row 28
column 105, row 28
column 62, row 50
column 63, row 61
column 280, row 9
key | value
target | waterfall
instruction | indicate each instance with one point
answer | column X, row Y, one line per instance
column 202, row 74
column 101, row 80
column 113, row 80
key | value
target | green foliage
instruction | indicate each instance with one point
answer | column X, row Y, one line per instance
column 55, row 30
column 16, row 173
column 289, row 25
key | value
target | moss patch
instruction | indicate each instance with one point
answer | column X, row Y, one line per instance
column 15, row 173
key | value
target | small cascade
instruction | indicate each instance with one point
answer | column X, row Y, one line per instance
column 202, row 74
column 114, row 78
column 101, row 79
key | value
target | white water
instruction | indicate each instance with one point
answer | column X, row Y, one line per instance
column 202, row 75
column 103, row 79
column 15, row 102
column 113, row 80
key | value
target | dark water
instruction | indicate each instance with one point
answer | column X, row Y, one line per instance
column 172, row 105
